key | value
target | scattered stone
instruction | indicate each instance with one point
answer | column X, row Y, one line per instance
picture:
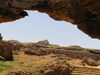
column 49, row 72
column 59, row 69
column 2, row 58
column 98, row 62
column 53, row 56
column 38, row 52
column 16, row 73
column 89, row 61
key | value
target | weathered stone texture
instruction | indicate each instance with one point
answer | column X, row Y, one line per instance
column 0, row 38
column 6, row 51
column 84, row 13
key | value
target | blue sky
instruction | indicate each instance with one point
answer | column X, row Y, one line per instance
column 39, row 26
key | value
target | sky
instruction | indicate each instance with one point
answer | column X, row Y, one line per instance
column 39, row 26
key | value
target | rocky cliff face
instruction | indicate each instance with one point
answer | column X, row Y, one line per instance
column 84, row 13
column 0, row 38
column 5, row 50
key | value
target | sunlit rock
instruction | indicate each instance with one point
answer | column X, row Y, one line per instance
column 43, row 42
column 84, row 13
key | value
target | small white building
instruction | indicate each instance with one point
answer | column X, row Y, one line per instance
column 43, row 42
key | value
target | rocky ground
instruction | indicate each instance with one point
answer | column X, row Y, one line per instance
column 35, row 59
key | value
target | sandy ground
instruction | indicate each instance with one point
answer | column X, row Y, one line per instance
column 33, row 62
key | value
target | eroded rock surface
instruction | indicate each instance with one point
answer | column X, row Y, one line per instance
column 43, row 42
column 6, row 51
column 84, row 13
column 0, row 38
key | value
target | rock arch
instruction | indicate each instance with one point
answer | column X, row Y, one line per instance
column 84, row 13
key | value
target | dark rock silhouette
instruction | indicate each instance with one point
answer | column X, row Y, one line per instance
column 0, row 38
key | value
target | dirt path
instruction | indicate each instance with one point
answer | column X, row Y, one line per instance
column 86, row 71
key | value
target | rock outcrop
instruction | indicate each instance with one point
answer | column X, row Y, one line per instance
column 6, row 51
column 0, row 38
column 84, row 13
column 18, row 73
column 43, row 42
column 59, row 69
column 89, row 61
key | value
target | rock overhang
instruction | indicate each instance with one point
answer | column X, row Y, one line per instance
column 83, row 13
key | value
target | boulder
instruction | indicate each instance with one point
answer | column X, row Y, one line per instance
column 17, row 73
column 38, row 52
column 83, row 13
column 43, row 42
column 2, row 58
column 59, row 69
column 89, row 61
column 0, row 38
column 49, row 72
column 6, row 51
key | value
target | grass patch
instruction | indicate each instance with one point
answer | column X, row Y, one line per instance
column 41, row 70
column 27, row 69
column 21, row 63
column 44, row 66
column 15, row 56
column 42, row 57
column 82, row 64
column 56, row 60
column 51, row 68
column 63, row 62
column 5, row 66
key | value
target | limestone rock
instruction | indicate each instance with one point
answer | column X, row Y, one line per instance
column 17, row 73
column 49, row 72
column 84, row 13
column 37, row 52
column 6, row 51
column 43, row 42
column 89, row 61
column 95, row 51
column 59, row 69
column 2, row 58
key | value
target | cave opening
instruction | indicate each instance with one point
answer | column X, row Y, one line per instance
column 39, row 26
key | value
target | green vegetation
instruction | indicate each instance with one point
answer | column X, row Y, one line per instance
column 4, row 66
column 41, row 70
column 42, row 57
column 63, row 62
column 21, row 63
column 56, row 60
column 51, row 67
column 82, row 64
column 15, row 57
column 44, row 66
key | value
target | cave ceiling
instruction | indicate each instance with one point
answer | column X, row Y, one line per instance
column 83, row 13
